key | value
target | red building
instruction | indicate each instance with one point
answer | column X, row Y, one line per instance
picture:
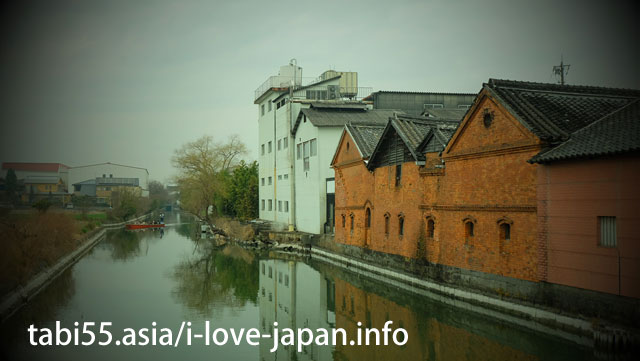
column 589, row 205
column 485, row 204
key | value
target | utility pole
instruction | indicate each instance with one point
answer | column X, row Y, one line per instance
column 561, row 70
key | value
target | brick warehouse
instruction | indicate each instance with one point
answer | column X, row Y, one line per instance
column 473, row 204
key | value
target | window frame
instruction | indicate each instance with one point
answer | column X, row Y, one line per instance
column 398, row 175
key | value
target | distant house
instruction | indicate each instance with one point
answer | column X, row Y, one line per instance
column 38, row 187
column 85, row 188
column 107, row 188
column 24, row 170
column 80, row 174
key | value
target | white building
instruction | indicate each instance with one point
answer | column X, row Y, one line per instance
column 81, row 174
column 296, row 147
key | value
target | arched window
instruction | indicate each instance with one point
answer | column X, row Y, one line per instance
column 504, row 228
column 351, row 226
column 344, row 221
column 431, row 227
column 386, row 224
column 367, row 222
column 401, row 225
column 505, row 231
column 468, row 229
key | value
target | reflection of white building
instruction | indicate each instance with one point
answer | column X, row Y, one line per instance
column 294, row 295
column 81, row 175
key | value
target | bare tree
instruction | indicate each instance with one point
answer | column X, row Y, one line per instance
column 201, row 165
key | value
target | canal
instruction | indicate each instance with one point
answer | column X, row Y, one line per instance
column 136, row 278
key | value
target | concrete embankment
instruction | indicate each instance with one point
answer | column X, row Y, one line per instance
column 19, row 297
column 527, row 304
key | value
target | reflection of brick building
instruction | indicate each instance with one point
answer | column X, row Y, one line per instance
column 474, row 203
column 429, row 337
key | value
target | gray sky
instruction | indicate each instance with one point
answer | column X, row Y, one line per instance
column 129, row 81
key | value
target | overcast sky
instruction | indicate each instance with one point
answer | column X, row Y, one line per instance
column 129, row 81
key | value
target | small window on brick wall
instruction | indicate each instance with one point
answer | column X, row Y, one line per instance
column 431, row 227
column 344, row 221
column 400, row 225
column 608, row 232
column 505, row 231
column 352, row 221
column 468, row 228
column 386, row 224
column 367, row 221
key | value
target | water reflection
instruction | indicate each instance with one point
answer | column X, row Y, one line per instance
column 46, row 306
column 135, row 278
column 317, row 295
column 215, row 278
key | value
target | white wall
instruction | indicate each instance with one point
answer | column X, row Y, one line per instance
column 311, row 211
column 277, row 163
column 81, row 174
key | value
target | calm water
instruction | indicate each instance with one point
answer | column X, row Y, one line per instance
column 135, row 278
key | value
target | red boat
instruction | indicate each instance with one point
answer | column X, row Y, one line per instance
column 142, row 226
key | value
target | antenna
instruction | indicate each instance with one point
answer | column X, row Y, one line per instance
column 562, row 70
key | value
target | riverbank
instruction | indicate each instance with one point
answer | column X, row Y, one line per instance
column 14, row 300
column 583, row 317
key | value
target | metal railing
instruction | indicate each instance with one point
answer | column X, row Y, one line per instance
column 333, row 92
column 284, row 82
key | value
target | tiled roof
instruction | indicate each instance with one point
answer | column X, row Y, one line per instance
column 553, row 111
column 446, row 113
column 366, row 136
column 414, row 92
column 437, row 138
column 413, row 130
column 341, row 106
column 338, row 117
column 34, row 167
column 615, row 133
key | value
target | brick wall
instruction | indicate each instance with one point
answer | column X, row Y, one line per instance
column 486, row 180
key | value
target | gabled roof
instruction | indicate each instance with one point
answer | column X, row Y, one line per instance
column 41, row 180
column 614, row 133
column 34, row 167
column 336, row 116
column 109, row 163
column 437, row 138
column 553, row 111
column 365, row 136
column 412, row 130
